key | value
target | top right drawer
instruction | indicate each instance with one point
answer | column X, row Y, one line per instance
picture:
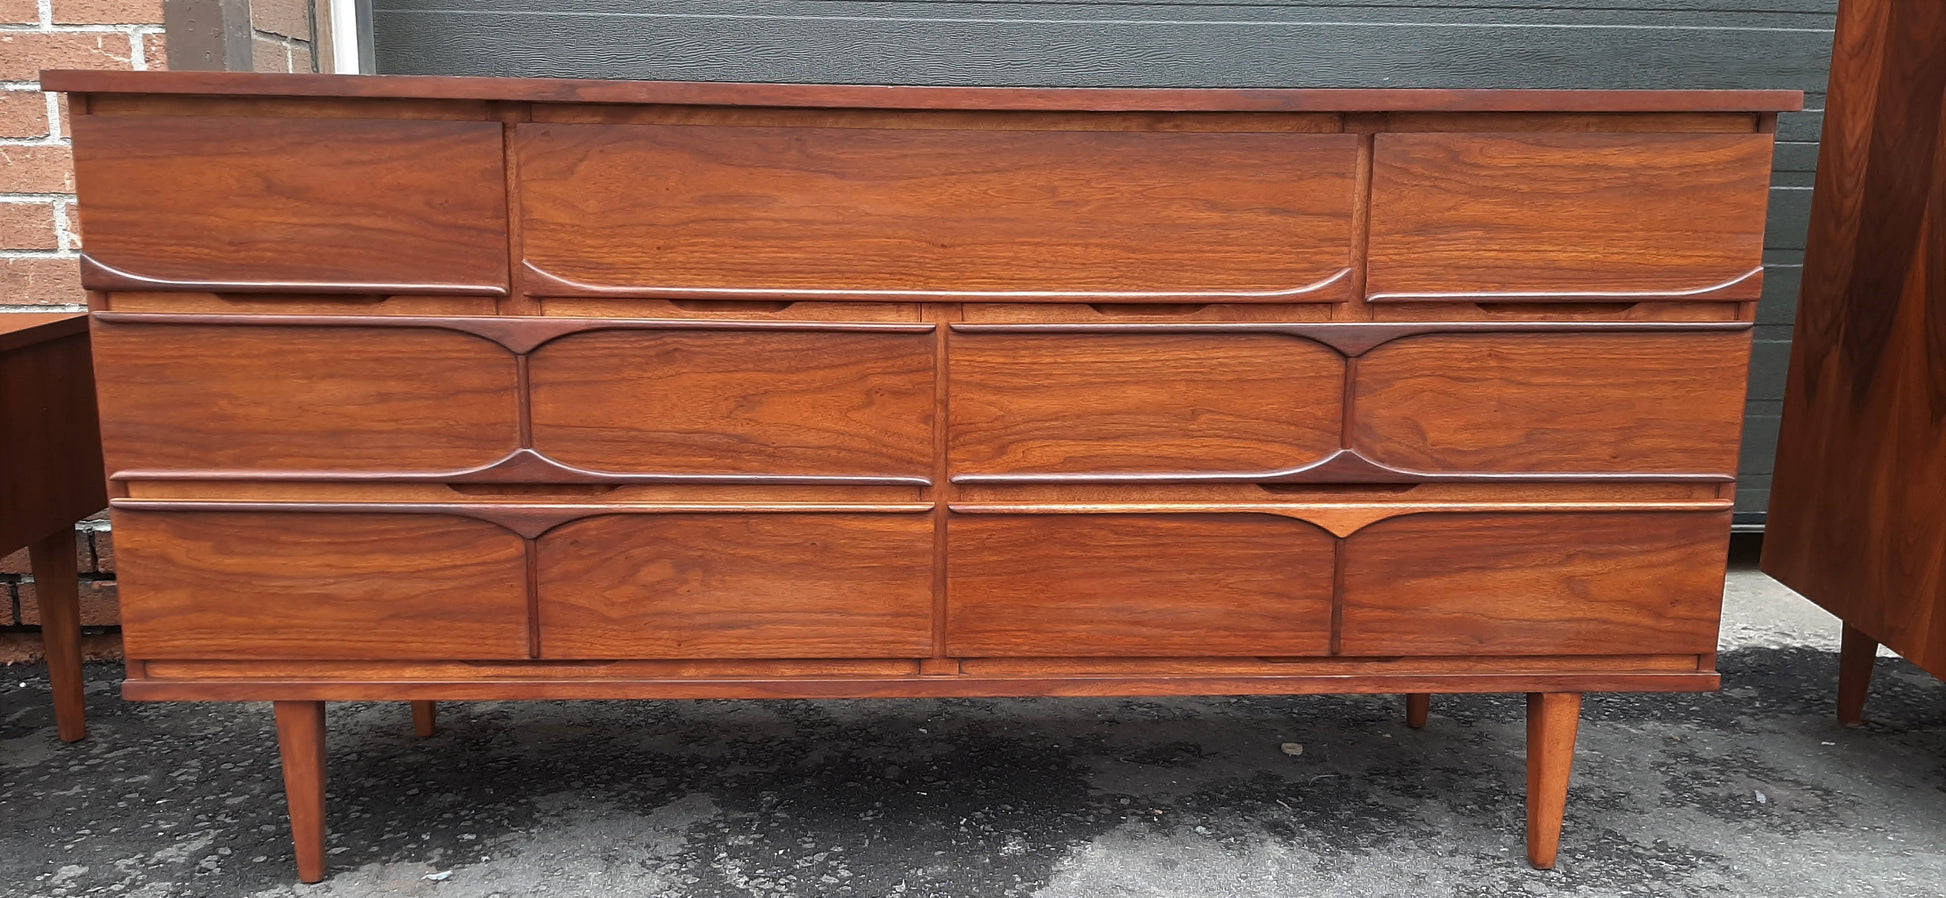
column 1563, row 217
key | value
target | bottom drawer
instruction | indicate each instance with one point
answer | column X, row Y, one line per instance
column 1535, row 583
column 729, row 585
column 1137, row 585
column 312, row 586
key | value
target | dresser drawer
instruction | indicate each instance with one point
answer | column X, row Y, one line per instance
column 201, row 398
column 737, row 402
column 1535, row 583
column 1137, row 585
column 1564, row 216
column 1140, row 404
column 731, row 585
column 258, row 204
column 1512, row 403
column 319, row 586
column 887, row 213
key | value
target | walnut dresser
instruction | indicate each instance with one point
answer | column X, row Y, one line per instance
column 444, row 388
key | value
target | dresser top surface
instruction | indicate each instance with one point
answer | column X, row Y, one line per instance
column 568, row 90
column 19, row 329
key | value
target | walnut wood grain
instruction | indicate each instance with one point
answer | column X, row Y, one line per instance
column 769, row 403
column 297, row 586
column 851, row 214
column 1573, row 403
column 1539, row 583
column 282, row 205
column 575, row 90
column 737, row 586
column 1856, row 523
column 1562, row 217
column 1143, row 585
column 1140, row 403
column 296, row 398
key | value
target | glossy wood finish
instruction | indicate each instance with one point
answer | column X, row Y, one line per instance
column 1562, row 217
column 50, row 477
column 879, row 392
column 1137, row 586
column 737, row 586
column 1543, row 584
column 300, row 745
column 1855, row 521
column 1552, row 719
column 855, row 213
column 297, row 586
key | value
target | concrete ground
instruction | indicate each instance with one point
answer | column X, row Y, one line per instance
column 1751, row 791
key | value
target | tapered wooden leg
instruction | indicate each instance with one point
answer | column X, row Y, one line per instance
column 423, row 717
column 57, row 590
column 1552, row 719
column 300, row 741
column 1417, row 706
column 1855, row 656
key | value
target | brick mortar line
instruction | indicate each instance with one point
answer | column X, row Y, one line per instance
column 59, row 307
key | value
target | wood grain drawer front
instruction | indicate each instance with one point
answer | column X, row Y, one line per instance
column 1137, row 585
column 1643, row 216
column 737, row 402
column 329, row 205
column 1539, row 584
column 778, row 585
column 1143, row 404
column 315, row 586
column 316, row 399
column 648, row 209
column 1556, row 403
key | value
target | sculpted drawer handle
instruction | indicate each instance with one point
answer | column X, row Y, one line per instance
column 342, row 299
column 533, row 490
column 731, row 305
column 1148, row 309
column 1363, row 489
column 1556, row 308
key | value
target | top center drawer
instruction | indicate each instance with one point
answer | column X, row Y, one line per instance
column 653, row 210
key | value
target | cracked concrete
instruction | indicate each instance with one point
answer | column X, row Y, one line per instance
column 1751, row 791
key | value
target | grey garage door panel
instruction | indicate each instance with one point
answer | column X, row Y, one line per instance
column 1724, row 44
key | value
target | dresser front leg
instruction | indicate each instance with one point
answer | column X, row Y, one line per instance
column 1856, row 653
column 1552, row 719
column 1417, row 706
column 300, row 741
column 424, row 716
column 57, row 590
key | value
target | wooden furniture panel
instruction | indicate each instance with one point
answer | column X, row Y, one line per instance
column 306, row 585
column 737, row 586
column 861, row 213
column 1669, row 404
column 1137, row 585
column 737, row 402
column 1141, row 404
column 215, row 398
column 1556, row 217
column 1540, row 584
column 1856, row 520
column 267, row 205
column 50, row 477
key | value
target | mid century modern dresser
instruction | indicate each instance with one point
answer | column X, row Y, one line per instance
column 442, row 388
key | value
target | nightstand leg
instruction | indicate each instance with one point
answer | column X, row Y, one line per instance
column 423, row 716
column 1417, row 706
column 57, row 590
column 1552, row 719
column 300, row 741
column 1855, row 656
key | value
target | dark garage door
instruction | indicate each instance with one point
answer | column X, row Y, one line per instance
column 1194, row 43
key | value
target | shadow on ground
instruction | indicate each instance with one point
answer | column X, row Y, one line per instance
column 1751, row 791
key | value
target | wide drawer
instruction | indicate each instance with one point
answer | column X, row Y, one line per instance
column 1568, row 216
column 189, row 398
column 730, row 585
column 331, row 205
column 889, row 213
column 1535, row 583
column 312, row 586
column 1137, row 585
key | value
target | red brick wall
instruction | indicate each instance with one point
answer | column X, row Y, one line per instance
column 40, row 235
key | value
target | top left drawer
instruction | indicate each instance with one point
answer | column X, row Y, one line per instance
column 291, row 205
